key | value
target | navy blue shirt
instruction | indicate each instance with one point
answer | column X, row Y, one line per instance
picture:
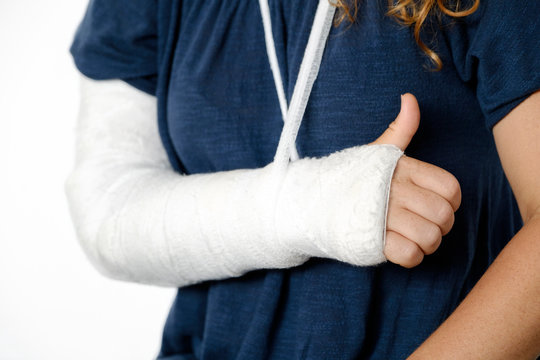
column 218, row 110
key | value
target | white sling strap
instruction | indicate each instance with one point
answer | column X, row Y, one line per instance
column 274, row 66
column 309, row 69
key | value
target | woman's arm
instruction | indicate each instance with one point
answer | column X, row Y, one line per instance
column 138, row 220
column 500, row 318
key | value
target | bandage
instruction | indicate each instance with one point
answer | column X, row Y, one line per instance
column 140, row 221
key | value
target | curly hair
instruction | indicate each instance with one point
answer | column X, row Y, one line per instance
column 409, row 13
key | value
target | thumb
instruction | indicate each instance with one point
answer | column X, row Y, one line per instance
column 403, row 128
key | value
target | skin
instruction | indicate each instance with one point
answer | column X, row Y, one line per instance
column 423, row 197
column 500, row 317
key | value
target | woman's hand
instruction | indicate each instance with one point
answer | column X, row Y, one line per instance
column 423, row 197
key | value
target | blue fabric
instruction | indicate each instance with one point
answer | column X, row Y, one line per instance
column 218, row 110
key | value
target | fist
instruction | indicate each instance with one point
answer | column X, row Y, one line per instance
column 423, row 197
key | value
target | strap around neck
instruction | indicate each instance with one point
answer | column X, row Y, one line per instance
column 309, row 70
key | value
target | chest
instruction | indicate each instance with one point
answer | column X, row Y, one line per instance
column 223, row 110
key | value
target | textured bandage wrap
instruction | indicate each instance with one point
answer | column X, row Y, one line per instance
column 138, row 220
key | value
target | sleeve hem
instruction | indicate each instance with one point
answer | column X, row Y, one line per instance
column 143, row 82
column 500, row 113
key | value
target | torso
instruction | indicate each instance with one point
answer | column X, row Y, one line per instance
column 223, row 114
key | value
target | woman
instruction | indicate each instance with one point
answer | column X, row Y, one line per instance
column 206, row 63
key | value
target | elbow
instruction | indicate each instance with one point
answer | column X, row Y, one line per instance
column 107, row 233
column 89, row 213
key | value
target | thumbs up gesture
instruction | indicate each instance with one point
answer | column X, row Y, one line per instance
column 423, row 197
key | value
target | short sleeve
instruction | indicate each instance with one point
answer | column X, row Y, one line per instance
column 497, row 50
column 117, row 39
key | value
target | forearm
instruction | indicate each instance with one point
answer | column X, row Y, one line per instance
column 500, row 318
column 140, row 221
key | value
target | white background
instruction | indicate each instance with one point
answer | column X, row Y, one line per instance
column 53, row 304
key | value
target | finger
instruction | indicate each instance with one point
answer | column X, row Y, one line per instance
column 401, row 250
column 403, row 128
column 424, row 233
column 423, row 202
column 430, row 177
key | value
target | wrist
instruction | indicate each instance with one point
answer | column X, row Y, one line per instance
column 335, row 206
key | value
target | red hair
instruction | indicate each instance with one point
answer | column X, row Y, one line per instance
column 409, row 13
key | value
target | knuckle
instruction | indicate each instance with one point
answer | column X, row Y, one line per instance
column 433, row 232
column 393, row 127
column 390, row 217
column 400, row 170
column 447, row 226
column 452, row 187
column 395, row 187
column 405, row 166
column 396, row 193
column 388, row 250
column 406, row 161
column 445, row 213
column 433, row 238
column 411, row 256
column 433, row 246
